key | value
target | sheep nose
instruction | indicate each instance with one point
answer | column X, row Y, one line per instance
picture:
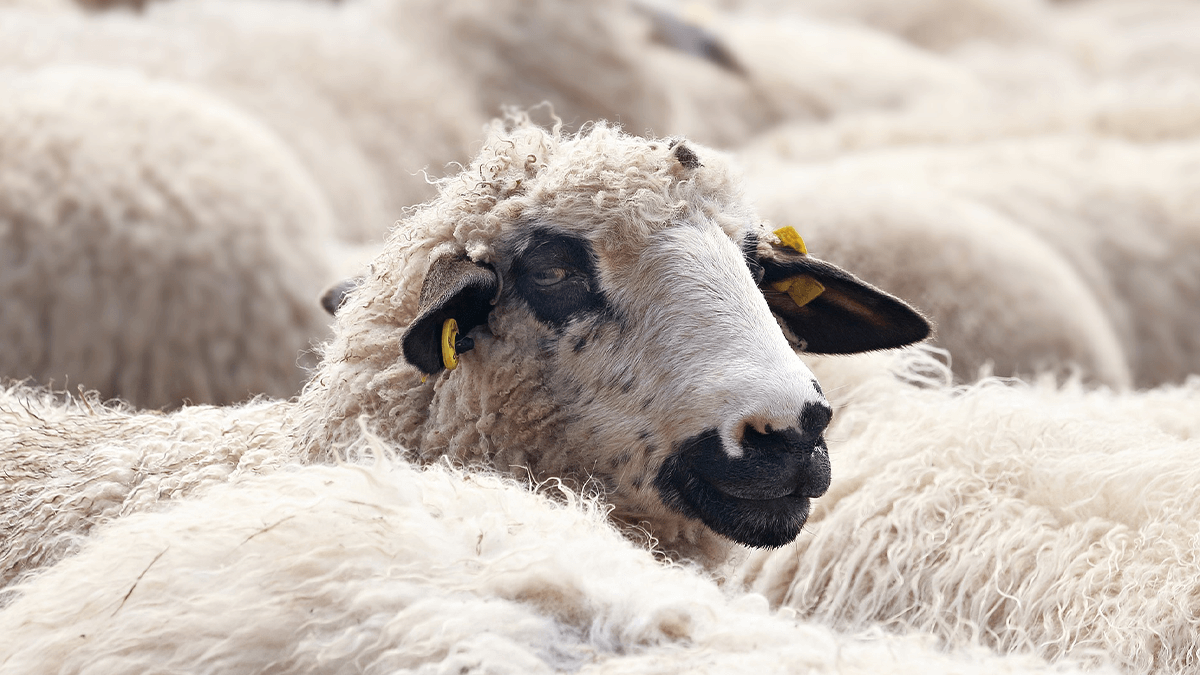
column 758, row 437
column 774, row 463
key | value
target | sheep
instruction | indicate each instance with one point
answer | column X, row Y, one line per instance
column 1036, row 517
column 387, row 568
column 365, row 113
column 552, row 255
column 156, row 244
column 582, row 273
column 806, row 70
column 1005, row 301
column 1129, row 233
column 656, row 71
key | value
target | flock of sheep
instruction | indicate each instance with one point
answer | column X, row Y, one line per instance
column 608, row 470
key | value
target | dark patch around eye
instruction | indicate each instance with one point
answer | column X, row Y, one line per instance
column 577, row 293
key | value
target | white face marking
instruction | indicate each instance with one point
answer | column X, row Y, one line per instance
column 721, row 358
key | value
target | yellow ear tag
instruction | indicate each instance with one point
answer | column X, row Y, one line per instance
column 449, row 335
column 791, row 239
column 802, row 289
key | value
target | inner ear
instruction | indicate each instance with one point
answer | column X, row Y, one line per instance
column 454, row 288
column 832, row 311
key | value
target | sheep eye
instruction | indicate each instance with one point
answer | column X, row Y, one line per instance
column 556, row 276
column 549, row 276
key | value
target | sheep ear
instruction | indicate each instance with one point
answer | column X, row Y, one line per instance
column 831, row 310
column 454, row 288
column 335, row 296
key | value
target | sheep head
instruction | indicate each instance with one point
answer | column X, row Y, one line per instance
column 634, row 327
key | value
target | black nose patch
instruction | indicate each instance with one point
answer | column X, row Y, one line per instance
column 760, row 498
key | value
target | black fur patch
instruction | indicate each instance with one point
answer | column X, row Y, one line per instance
column 335, row 296
column 750, row 254
column 759, row 499
column 555, row 274
column 687, row 157
column 848, row 317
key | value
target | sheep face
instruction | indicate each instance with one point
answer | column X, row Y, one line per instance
column 685, row 396
column 637, row 347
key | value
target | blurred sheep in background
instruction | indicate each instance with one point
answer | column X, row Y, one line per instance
column 156, row 244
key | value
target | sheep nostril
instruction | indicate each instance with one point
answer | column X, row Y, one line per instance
column 781, row 442
column 815, row 417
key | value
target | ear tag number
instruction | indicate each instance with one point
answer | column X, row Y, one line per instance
column 802, row 289
column 449, row 335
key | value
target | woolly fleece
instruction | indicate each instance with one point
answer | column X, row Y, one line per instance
column 70, row 464
column 364, row 112
column 156, row 243
column 1030, row 517
column 360, row 569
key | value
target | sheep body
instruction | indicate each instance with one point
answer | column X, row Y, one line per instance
column 374, row 569
column 364, row 112
column 1129, row 235
column 172, row 257
column 1003, row 299
column 72, row 464
column 1030, row 517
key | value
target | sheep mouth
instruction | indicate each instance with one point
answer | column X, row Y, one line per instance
column 766, row 513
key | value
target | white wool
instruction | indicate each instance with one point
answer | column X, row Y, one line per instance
column 156, row 243
column 70, row 464
column 1030, row 517
column 379, row 569
column 580, row 57
column 47, row 5
column 366, row 113
column 1033, row 518
column 813, row 70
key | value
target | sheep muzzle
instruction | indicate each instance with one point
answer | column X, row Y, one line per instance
column 760, row 497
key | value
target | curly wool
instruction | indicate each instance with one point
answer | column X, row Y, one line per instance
column 338, row 569
column 1038, row 518
column 71, row 464
column 622, row 185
